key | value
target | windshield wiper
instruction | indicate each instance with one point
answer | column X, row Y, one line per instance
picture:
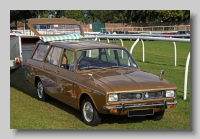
column 118, row 67
column 91, row 67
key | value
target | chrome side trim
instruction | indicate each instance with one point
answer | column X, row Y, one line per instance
column 123, row 106
column 95, row 91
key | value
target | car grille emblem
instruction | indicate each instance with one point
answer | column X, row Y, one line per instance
column 138, row 96
column 146, row 95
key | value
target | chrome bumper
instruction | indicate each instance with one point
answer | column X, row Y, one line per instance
column 143, row 105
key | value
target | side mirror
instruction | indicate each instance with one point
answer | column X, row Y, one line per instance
column 90, row 76
column 161, row 73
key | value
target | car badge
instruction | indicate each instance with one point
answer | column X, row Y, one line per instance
column 146, row 95
column 138, row 95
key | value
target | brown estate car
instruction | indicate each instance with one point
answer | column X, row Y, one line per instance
column 93, row 77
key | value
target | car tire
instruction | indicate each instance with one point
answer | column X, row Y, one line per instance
column 157, row 116
column 89, row 113
column 42, row 96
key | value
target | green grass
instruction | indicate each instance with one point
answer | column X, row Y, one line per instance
column 26, row 112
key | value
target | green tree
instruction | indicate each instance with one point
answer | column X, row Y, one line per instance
column 171, row 15
column 104, row 16
column 92, row 15
column 186, row 15
column 75, row 14
column 20, row 15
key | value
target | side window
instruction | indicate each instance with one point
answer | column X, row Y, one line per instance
column 54, row 56
column 40, row 52
column 67, row 60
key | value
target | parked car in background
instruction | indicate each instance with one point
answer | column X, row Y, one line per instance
column 105, row 32
column 94, row 77
column 168, row 34
column 122, row 32
column 183, row 32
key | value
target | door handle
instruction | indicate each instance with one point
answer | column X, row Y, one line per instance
column 56, row 72
column 42, row 67
column 59, row 89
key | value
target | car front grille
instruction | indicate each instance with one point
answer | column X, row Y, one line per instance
column 140, row 95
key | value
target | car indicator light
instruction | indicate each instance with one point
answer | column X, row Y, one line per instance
column 17, row 62
column 171, row 105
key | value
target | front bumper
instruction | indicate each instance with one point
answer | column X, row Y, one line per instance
column 163, row 104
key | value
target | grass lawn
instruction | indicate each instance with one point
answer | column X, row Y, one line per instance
column 26, row 112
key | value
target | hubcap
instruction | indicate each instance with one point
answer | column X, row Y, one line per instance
column 88, row 111
column 40, row 90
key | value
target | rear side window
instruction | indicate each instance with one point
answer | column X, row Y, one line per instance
column 54, row 56
column 67, row 60
column 40, row 52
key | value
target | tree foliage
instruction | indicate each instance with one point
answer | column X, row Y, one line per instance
column 105, row 16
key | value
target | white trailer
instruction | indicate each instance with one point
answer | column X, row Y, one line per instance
column 15, row 52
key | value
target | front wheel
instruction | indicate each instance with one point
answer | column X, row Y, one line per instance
column 89, row 113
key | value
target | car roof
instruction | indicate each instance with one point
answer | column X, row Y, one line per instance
column 83, row 44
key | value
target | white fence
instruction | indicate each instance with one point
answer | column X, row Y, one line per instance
column 30, row 33
column 149, row 28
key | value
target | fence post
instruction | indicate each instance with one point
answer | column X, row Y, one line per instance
column 122, row 45
column 95, row 38
column 174, row 53
column 131, row 50
column 142, row 49
column 108, row 40
column 121, row 42
column 186, row 76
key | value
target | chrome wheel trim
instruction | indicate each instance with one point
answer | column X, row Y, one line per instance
column 88, row 111
column 40, row 90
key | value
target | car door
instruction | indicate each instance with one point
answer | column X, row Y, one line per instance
column 50, row 66
column 66, row 78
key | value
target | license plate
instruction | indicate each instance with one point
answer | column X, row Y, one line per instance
column 140, row 112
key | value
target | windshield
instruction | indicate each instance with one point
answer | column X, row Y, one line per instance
column 102, row 58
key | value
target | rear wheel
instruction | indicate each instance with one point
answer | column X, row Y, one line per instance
column 89, row 113
column 157, row 116
column 40, row 91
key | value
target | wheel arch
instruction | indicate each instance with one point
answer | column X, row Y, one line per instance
column 84, row 95
column 37, row 78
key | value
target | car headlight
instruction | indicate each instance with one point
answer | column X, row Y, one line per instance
column 113, row 97
column 170, row 93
